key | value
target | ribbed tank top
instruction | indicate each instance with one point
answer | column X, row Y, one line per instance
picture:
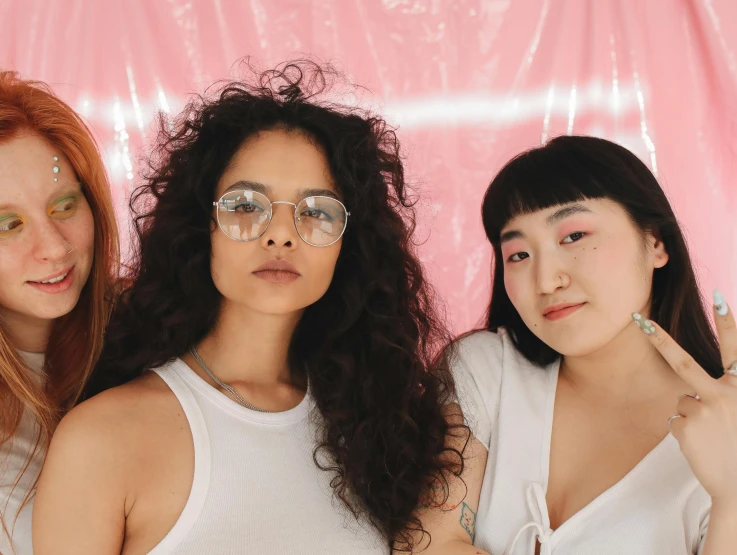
column 18, row 472
column 256, row 488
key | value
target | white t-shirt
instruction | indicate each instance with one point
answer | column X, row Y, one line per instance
column 13, row 458
column 658, row 507
column 256, row 488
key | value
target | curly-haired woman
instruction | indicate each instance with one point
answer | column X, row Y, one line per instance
column 292, row 406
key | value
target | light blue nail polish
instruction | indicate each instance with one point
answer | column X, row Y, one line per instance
column 720, row 305
column 644, row 324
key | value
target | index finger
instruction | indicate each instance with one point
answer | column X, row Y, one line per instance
column 726, row 330
column 682, row 363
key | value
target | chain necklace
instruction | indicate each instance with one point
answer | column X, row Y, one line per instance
column 230, row 389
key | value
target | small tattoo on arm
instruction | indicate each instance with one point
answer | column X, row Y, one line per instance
column 468, row 520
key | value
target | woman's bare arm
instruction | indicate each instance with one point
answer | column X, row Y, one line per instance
column 80, row 503
column 452, row 525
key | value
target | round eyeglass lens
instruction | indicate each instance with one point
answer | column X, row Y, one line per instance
column 243, row 215
column 320, row 221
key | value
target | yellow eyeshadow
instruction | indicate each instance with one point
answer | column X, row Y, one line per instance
column 69, row 198
column 62, row 199
column 7, row 217
column 6, row 220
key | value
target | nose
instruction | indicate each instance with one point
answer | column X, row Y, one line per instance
column 49, row 242
column 281, row 231
column 550, row 274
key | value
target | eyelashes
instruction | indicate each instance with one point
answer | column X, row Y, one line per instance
column 577, row 234
column 567, row 240
column 62, row 209
column 10, row 224
column 518, row 257
column 65, row 207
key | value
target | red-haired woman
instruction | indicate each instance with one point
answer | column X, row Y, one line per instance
column 58, row 247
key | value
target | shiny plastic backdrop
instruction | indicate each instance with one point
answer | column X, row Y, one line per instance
column 470, row 83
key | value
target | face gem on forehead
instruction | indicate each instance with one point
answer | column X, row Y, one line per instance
column 56, row 168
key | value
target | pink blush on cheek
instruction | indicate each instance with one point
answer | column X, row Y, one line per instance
column 513, row 287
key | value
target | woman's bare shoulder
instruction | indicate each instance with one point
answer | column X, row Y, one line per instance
column 98, row 455
column 113, row 420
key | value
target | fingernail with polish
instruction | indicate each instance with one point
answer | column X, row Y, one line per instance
column 644, row 324
column 720, row 305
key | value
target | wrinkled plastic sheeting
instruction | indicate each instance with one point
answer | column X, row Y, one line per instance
column 470, row 83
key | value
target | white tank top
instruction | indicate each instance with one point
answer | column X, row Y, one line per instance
column 18, row 472
column 256, row 488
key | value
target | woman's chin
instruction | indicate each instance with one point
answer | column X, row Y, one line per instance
column 578, row 346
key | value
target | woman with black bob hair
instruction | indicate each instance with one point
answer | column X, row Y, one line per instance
column 603, row 413
column 290, row 329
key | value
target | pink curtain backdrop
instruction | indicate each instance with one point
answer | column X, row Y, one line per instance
column 470, row 83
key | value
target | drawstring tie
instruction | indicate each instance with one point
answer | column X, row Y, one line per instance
column 541, row 521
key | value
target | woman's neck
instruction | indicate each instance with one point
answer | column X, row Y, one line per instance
column 626, row 370
column 246, row 346
column 27, row 333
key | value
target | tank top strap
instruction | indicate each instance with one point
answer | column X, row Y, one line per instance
column 171, row 373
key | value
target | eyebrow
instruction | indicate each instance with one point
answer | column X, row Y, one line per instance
column 554, row 218
column 565, row 212
column 266, row 190
column 509, row 235
column 250, row 185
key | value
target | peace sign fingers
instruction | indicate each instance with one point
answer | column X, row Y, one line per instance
column 705, row 425
column 727, row 331
column 682, row 363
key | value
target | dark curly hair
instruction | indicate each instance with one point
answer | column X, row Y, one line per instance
column 366, row 346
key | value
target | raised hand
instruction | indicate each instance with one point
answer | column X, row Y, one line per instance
column 705, row 425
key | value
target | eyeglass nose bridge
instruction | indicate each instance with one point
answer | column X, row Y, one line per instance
column 271, row 215
column 273, row 202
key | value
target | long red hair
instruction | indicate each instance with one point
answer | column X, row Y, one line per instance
column 76, row 338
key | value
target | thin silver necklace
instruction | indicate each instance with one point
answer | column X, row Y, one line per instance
column 229, row 388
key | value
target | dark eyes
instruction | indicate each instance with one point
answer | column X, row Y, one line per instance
column 575, row 236
column 568, row 239
column 518, row 257
column 9, row 224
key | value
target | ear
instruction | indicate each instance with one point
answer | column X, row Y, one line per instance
column 657, row 250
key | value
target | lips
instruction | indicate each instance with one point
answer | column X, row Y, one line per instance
column 277, row 271
column 277, row 266
column 558, row 311
column 55, row 283
column 54, row 278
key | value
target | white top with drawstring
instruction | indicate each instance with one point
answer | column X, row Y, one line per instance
column 658, row 507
